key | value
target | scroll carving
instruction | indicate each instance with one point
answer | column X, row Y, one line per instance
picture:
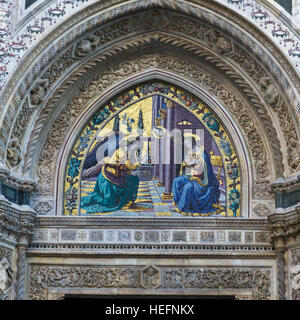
column 180, row 279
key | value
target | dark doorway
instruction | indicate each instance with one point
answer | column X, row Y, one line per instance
column 156, row 297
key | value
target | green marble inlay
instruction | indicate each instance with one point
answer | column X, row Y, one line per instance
column 28, row 3
column 285, row 200
column 14, row 195
column 286, row 4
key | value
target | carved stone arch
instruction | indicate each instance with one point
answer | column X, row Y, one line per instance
column 72, row 103
column 153, row 74
column 90, row 64
column 267, row 123
column 260, row 186
column 190, row 12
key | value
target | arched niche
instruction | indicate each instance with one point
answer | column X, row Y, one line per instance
column 147, row 77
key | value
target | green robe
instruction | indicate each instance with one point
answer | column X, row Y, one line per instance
column 108, row 196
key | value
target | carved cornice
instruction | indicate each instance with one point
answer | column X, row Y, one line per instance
column 15, row 182
column 285, row 227
column 286, row 185
column 88, row 250
column 207, row 223
column 16, row 222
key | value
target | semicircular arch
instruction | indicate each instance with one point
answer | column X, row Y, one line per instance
column 151, row 76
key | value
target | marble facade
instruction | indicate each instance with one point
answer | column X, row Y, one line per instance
column 52, row 82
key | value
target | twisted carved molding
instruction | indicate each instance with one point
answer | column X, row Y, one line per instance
column 281, row 274
column 46, row 165
column 257, row 280
column 21, row 272
column 86, row 50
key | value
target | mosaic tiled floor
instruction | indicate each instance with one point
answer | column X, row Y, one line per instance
column 148, row 204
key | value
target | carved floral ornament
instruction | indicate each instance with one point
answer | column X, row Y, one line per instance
column 214, row 40
column 255, row 280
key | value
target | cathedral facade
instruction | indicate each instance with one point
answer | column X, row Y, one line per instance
column 150, row 148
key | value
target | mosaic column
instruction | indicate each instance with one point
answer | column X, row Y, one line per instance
column 155, row 146
column 169, row 153
column 161, row 181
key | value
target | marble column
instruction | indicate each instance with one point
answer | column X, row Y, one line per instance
column 21, row 269
column 281, row 273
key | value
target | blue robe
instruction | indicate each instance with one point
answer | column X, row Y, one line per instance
column 108, row 196
column 190, row 197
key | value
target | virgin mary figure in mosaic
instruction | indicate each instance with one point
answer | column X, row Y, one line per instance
column 198, row 190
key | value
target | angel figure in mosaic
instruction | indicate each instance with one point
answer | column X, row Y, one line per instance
column 115, row 187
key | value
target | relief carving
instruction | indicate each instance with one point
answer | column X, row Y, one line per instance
column 167, row 21
column 271, row 94
column 153, row 20
column 150, row 278
column 179, row 279
column 42, row 208
column 86, row 46
column 55, row 70
column 14, row 153
column 263, row 189
column 216, row 40
column 6, row 275
column 275, row 100
column 213, row 38
column 293, row 152
column 38, row 93
column 295, row 275
column 262, row 210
